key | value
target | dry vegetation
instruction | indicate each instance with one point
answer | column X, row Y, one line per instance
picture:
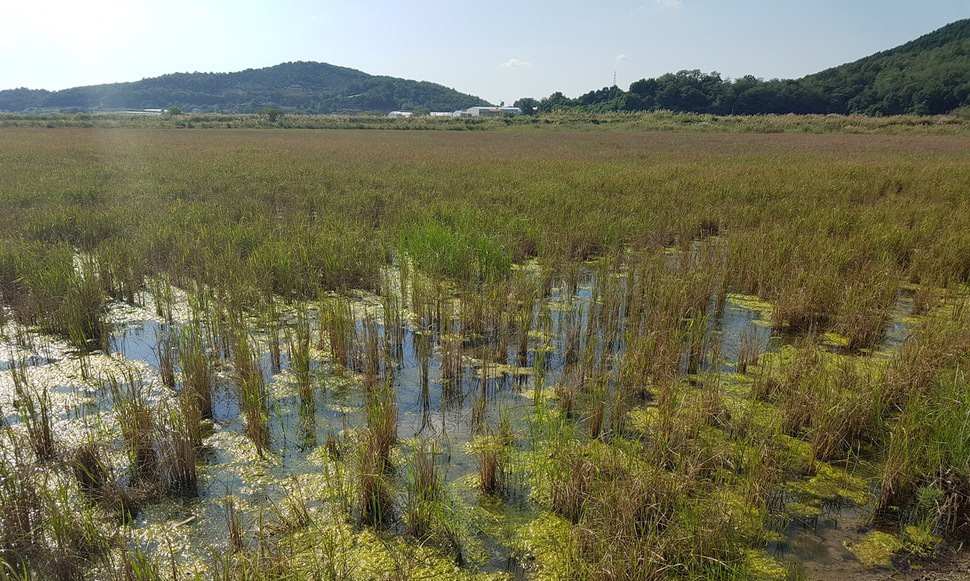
column 592, row 278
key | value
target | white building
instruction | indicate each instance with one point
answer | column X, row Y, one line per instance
column 490, row 112
column 400, row 114
column 442, row 114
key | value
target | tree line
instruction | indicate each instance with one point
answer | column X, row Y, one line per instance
column 928, row 76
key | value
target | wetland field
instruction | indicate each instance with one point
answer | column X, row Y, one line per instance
column 534, row 351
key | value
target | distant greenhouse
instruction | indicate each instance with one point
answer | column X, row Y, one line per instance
column 489, row 112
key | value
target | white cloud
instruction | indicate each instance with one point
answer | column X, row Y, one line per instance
column 620, row 57
column 516, row 63
column 670, row 4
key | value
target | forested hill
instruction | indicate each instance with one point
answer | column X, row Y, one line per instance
column 930, row 75
column 309, row 87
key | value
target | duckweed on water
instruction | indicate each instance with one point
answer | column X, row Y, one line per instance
column 876, row 549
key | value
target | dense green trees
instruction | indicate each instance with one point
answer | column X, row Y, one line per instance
column 930, row 75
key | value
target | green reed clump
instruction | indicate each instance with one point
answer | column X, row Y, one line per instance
column 457, row 250
column 178, row 441
column 47, row 530
column 850, row 416
column 91, row 468
column 33, row 405
column 135, row 564
column 375, row 502
column 129, row 394
column 452, row 365
column 866, row 306
column 337, row 328
column 392, row 297
column 294, row 514
column 20, row 506
column 76, row 534
column 274, row 336
column 424, row 488
column 167, row 355
column 935, row 345
column 46, row 286
column 233, row 524
column 493, row 446
column 924, row 472
column 749, row 349
column 252, row 387
column 197, row 372
column 121, row 269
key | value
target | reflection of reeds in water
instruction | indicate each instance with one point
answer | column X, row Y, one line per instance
column 452, row 364
column 370, row 353
column 394, row 326
column 300, row 365
column 423, row 351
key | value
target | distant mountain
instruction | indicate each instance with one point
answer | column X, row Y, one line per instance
column 930, row 75
column 309, row 87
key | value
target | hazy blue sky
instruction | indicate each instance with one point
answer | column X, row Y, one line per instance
column 497, row 50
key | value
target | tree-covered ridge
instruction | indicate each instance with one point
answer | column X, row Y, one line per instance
column 309, row 87
column 930, row 75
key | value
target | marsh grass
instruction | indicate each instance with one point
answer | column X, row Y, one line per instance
column 650, row 462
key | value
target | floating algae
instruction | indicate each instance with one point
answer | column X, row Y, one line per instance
column 876, row 549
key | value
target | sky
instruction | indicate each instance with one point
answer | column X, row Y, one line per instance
column 498, row 51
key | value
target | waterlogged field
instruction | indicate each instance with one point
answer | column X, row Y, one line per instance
column 518, row 353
